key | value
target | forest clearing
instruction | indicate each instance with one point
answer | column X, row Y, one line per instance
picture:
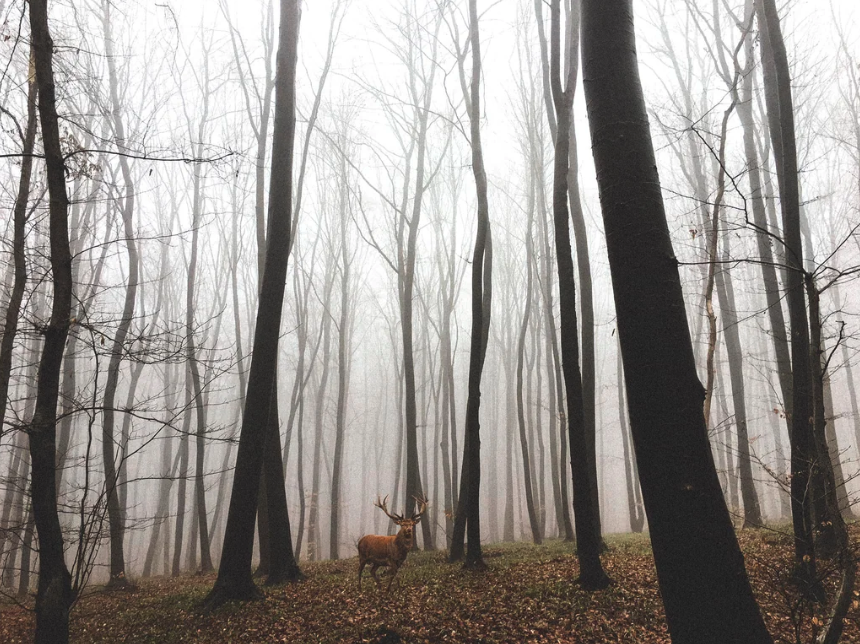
column 528, row 594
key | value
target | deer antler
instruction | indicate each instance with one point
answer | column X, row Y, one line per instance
column 383, row 505
column 422, row 508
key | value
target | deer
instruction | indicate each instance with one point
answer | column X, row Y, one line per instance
column 378, row 550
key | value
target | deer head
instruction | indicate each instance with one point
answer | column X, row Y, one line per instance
column 407, row 526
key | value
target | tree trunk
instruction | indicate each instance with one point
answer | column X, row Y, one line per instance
column 468, row 506
column 631, row 473
column 557, row 410
column 282, row 564
column 13, row 309
column 586, row 300
column 781, row 119
column 115, row 511
column 521, row 345
column 734, row 351
column 314, row 547
column 164, row 484
column 585, row 509
column 763, row 233
column 54, row 595
column 832, row 533
column 13, row 501
column 234, row 575
column 705, row 589
column 343, row 359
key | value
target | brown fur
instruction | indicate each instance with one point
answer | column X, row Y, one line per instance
column 390, row 552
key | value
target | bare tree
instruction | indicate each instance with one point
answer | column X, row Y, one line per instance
column 54, row 596
column 20, row 213
column 468, row 506
column 585, row 508
column 234, row 575
column 705, row 589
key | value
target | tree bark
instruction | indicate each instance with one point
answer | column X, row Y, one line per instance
column 234, row 575
column 705, row 589
column 521, row 344
column 585, row 509
column 343, row 364
column 781, row 120
column 54, row 595
column 468, row 507
column 13, row 309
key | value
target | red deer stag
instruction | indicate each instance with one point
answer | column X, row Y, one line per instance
column 391, row 551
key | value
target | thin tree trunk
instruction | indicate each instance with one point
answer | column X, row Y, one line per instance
column 521, row 345
column 314, row 552
column 586, row 511
column 559, row 416
column 14, row 501
column 163, row 507
column 833, row 534
column 115, row 510
column 343, row 355
column 631, row 475
column 26, row 556
column 13, row 309
column 763, row 233
column 586, row 299
column 54, row 595
column 734, row 351
column 468, row 506
column 781, row 119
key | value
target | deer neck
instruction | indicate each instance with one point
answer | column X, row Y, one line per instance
column 403, row 542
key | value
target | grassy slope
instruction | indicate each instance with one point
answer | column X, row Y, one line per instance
column 528, row 595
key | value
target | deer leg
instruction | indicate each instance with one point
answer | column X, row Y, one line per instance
column 373, row 569
column 393, row 570
column 361, row 564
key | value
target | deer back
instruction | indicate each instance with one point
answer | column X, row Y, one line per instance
column 383, row 548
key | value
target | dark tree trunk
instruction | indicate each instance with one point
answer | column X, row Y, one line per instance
column 558, row 422
column 54, row 595
column 557, row 410
column 832, row 532
column 234, row 575
column 13, row 309
column 705, row 589
column 282, row 564
column 468, row 506
column 521, row 345
column 586, row 300
column 585, row 509
column 834, row 452
column 115, row 510
column 406, row 280
column 763, row 233
column 781, row 119
column 728, row 308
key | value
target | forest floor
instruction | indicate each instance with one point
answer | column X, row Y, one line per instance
column 528, row 594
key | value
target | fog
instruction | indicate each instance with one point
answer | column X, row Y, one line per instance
column 193, row 93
